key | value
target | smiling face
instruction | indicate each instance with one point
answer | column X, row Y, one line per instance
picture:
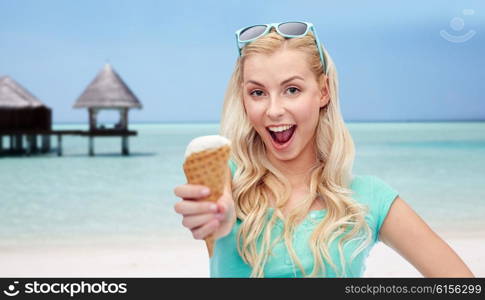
column 282, row 100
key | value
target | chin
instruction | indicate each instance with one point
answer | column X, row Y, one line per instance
column 285, row 157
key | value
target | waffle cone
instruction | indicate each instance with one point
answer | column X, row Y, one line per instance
column 209, row 168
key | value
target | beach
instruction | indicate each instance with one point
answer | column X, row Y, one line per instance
column 183, row 257
column 113, row 216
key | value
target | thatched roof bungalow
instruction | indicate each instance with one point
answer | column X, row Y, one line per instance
column 20, row 110
column 108, row 91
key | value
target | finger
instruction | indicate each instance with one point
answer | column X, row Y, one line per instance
column 221, row 211
column 205, row 230
column 221, row 207
column 195, row 207
column 191, row 191
column 193, row 221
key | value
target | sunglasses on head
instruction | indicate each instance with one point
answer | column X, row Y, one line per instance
column 248, row 34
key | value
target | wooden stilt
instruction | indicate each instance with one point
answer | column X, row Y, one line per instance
column 35, row 147
column 12, row 143
column 1, row 144
column 91, row 145
column 45, row 143
column 59, row 145
column 18, row 143
column 29, row 144
column 124, row 145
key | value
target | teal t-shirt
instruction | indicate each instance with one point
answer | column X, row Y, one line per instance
column 368, row 190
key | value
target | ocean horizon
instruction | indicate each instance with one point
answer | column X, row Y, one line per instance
column 217, row 122
column 437, row 167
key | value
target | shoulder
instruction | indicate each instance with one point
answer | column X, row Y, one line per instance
column 362, row 183
column 371, row 186
column 377, row 195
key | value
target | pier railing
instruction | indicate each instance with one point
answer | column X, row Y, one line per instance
column 17, row 137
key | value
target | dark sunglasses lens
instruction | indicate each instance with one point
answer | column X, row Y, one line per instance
column 251, row 32
column 293, row 28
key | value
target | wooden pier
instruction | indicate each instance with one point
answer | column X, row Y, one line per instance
column 23, row 117
column 17, row 138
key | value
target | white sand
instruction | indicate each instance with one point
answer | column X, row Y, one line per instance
column 385, row 262
column 183, row 257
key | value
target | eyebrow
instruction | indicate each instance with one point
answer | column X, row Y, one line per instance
column 282, row 83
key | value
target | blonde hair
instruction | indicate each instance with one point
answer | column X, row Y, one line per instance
column 257, row 180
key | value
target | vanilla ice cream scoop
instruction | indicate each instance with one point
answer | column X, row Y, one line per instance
column 206, row 142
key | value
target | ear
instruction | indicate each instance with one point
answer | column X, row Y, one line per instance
column 324, row 93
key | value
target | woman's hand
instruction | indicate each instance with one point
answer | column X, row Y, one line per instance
column 203, row 218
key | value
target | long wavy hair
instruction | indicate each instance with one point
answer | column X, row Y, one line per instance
column 257, row 180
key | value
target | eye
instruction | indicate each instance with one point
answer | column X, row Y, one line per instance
column 292, row 90
column 257, row 93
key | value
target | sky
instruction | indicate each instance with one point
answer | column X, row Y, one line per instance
column 406, row 61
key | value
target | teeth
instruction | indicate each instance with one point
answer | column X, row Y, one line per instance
column 280, row 128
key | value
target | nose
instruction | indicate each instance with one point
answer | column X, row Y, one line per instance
column 275, row 109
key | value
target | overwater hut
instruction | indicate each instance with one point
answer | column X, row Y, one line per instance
column 22, row 114
column 108, row 92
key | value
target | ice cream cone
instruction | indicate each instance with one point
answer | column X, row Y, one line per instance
column 209, row 168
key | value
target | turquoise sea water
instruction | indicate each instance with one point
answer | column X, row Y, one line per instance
column 438, row 168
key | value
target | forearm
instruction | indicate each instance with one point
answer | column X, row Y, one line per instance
column 450, row 265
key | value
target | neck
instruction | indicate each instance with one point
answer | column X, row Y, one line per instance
column 297, row 170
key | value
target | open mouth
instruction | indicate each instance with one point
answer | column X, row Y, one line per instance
column 283, row 134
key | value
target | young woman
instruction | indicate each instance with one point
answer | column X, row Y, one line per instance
column 293, row 207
